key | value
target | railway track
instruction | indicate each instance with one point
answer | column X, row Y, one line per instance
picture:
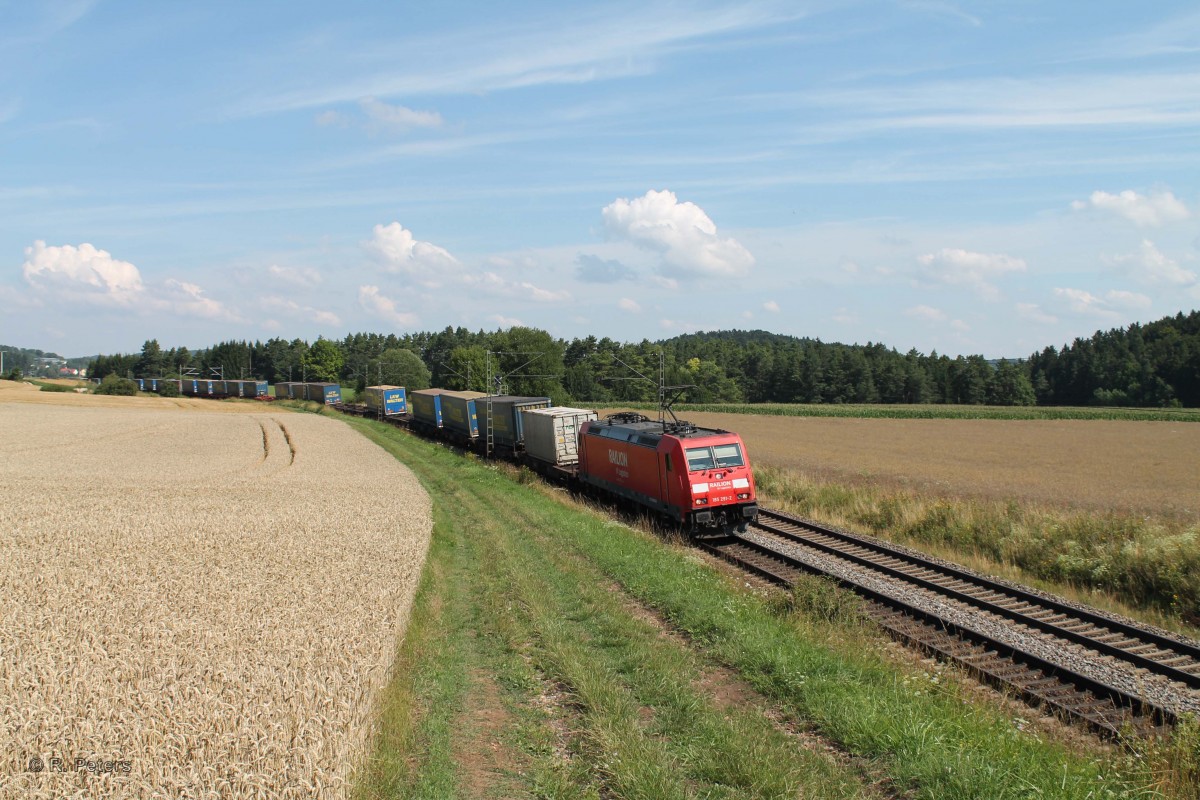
column 1112, row 675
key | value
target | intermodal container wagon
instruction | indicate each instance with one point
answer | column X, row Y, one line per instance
column 243, row 388
column 459, row 413
column 327, row 393
column 427, row 406
column 552, row 434
column 392, row 399
column 505, row 412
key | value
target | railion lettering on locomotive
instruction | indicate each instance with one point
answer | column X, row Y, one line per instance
column 619, row 458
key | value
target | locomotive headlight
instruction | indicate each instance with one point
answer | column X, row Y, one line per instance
column 701, row 501
column 743, row 495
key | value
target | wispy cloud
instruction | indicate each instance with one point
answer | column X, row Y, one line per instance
column 942, row 9
column 31, row 23
column 1178, row 35
column 1072, row 100
column 599, row 45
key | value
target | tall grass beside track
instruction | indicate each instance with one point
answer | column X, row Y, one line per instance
column 542, row 598
column 1143, row 562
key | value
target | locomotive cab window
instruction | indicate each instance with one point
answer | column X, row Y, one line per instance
column 728, row 455
column 700, row 458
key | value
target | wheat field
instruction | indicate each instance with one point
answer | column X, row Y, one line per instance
column 193, row 603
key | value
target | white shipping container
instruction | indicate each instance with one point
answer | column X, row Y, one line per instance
column 552, row 434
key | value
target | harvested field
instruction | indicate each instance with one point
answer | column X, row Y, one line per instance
column 195, row 604
column 1092, row 464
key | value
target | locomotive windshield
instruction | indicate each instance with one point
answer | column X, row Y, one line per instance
column 728, row 455
column 721, row 455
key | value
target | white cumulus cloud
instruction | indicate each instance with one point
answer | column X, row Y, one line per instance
column 89, row 275
column 506, row 322
column 630, row 305
column 1034, row 313
column 493, row 283
column 681, row 232
column 187, row 298
column 771, row 306
column 1151, row 265
column 301, row 276
column 384, row 307
column 681, row 326
column 296, row 310
column 1122, row 299
column 1152, row 210
column 545, row 295
column 927, row 313
column 84, row 272
column 976, row 271
column 398, row 250
column 1081, row 301
column 397, row 119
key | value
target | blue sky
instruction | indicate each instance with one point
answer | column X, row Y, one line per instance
column 971, row 178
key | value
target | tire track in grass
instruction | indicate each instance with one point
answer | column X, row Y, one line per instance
column 710, row 749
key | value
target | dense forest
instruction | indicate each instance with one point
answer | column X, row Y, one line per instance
column 1157, row 364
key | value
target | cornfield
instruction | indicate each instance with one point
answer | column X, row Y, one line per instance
column 196, row 605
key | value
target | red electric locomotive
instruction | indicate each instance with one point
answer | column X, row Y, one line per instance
column 699, row 477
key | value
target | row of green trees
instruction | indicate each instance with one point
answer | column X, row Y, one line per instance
column 1155, row 365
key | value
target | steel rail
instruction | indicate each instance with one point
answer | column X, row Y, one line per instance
column 1103, row 708
column 1132, row 638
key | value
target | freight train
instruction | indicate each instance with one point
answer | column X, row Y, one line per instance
column 699, row 478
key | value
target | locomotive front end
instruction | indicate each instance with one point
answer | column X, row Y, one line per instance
column 720, row 482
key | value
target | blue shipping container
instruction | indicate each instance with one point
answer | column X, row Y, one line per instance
column 393, row 398
column 327, row 393
column 427, row 406
column 459, row 412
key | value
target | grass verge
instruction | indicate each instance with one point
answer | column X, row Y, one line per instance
column 519, row 586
